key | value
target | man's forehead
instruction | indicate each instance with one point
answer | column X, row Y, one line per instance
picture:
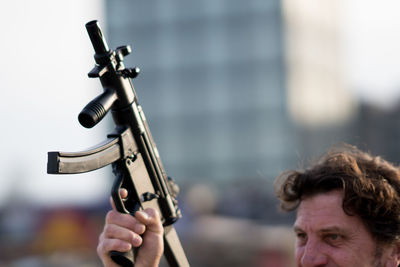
column 342, row 229
column 324, row 211
column 322, row 202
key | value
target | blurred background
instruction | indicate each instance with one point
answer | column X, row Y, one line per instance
column 235, row 92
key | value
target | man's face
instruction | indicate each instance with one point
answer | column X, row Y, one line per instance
column 326, row 236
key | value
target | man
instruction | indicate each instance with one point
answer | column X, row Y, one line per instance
column 348, row 210
column 348, row 215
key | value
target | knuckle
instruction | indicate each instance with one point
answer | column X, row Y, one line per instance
column 132, row 237
column 135, row 239
column 156, row 214
column 121, row 219
column 153, row 213
column 159, row 229
column 100, row 249
column 101, row 237
column 140, row 228
column 110, row 216
column 108, row 229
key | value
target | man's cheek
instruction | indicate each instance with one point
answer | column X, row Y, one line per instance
column 299, row 252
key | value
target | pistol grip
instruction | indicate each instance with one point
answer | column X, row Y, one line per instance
column 125, row 259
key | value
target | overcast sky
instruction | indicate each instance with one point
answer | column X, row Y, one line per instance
column 371, row 46
column 46, row 54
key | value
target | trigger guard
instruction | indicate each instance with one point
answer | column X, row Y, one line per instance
column 116, row 196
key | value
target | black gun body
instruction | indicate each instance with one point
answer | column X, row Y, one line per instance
column 130, row 149
column 134, row 116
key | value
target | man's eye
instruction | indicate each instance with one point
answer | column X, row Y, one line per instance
column 333, row 237
column 301, row 235
column 301, row 239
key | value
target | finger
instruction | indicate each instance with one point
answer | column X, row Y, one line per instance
column 126, row 221
column 112, row 204
column 112, row 231
column 123, row 194
column 107, row 245
column 151, row 219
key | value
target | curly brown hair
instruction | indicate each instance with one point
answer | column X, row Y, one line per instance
column 370, row 184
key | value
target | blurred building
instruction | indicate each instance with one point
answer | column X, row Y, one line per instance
column 222, row 241
column 319, row 100
column 212, row 84
column 323, row 78
column 318, row 95
column 379, row 130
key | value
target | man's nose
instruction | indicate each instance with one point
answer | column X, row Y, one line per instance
column 313, row 255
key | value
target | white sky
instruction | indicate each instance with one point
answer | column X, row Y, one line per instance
column 372, row 49
column 46, row 55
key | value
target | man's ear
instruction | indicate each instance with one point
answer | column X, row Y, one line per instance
column 397, row 245
column 394, row 259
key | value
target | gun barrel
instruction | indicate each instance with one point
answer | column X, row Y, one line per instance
column 96, row 36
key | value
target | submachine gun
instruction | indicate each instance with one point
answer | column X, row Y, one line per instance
column 130, row 149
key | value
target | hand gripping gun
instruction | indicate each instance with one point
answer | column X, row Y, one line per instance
column 130, row 149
